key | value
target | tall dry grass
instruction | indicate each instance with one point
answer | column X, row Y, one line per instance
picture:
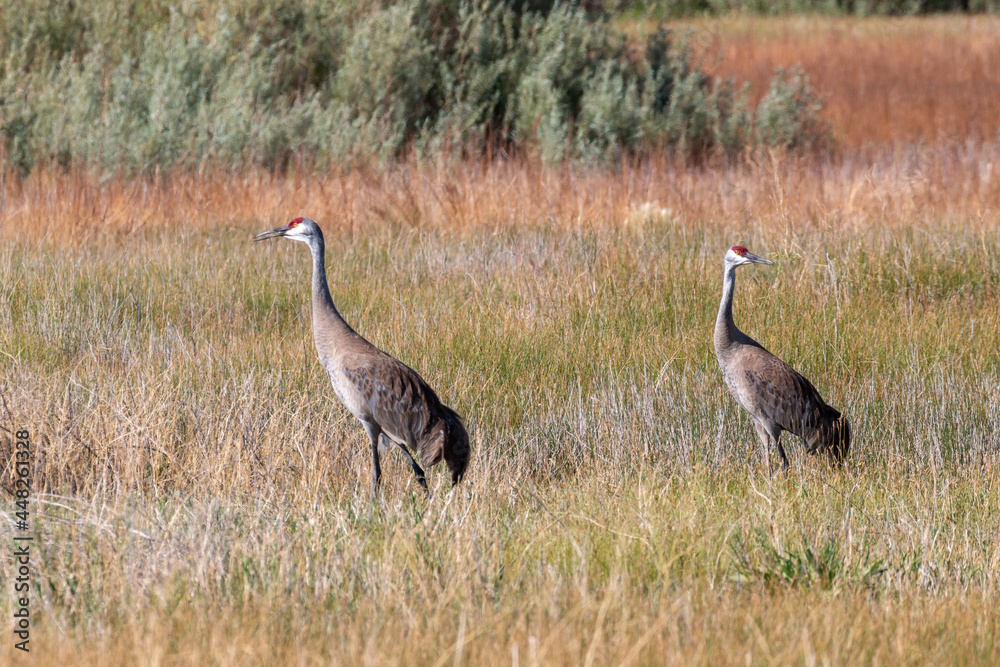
column 944, row 183
column 202, row 497
column 886, row 81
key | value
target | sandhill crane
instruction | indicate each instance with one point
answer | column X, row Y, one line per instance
column 777, row 398
column 387, row 396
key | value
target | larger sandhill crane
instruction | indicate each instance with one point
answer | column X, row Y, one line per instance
column 777, row 398
column 386, row 395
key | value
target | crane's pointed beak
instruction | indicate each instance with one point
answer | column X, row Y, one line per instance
column 280, row 231
column 757, row 260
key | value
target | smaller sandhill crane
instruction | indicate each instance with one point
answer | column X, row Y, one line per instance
column 387, row 396
column 776, row 397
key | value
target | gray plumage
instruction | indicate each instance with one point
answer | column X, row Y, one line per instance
column 772, row 392
column 387, row 396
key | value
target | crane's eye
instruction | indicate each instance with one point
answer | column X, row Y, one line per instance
column 739, row 250
column 294, row 222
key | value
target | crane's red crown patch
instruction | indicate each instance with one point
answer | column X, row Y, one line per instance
column 739, row 250
column 294, row 222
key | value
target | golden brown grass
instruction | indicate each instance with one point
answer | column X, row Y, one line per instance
column 948, row 181
column 886, row 81
column 202, row 499
column 205, row 498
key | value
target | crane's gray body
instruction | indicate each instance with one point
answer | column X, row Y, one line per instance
column 776, row 397
column 384, row 394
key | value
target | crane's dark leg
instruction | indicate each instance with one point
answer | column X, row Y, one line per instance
column 781, row 452
column 770, row 434
column 765, row 439
column 417, row 470
column 374, row 430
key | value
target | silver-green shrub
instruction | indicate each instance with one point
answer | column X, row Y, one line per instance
column 788, row 115
column 265, row 83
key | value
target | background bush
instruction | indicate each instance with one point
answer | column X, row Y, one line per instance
column 127, row 87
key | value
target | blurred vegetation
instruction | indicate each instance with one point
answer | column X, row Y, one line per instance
column 681, row 8
column 125, row 87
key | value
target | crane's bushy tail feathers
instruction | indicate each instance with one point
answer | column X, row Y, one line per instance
column 840, row 439
column 456, row 450
column 832, row 436
column 448, row 440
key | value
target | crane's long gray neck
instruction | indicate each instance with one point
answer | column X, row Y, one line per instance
column 725, row 328
column 320, row 288
column 327, row 321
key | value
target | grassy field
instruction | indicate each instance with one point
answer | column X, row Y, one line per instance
column 936, row 78
column 202, row 498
